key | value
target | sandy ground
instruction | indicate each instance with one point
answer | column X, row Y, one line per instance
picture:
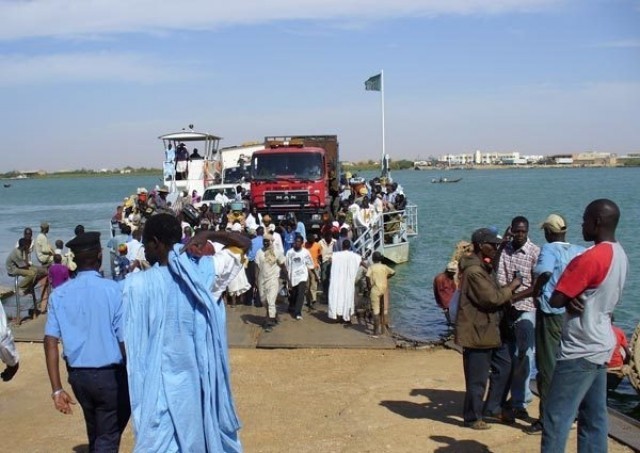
column 300, row 401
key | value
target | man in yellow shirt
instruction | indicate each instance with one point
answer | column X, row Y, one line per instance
column 378, row 276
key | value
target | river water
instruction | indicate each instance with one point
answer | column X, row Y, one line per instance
column 447, row 214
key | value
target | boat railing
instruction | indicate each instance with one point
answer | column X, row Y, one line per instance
column 391, row 227
column 411, row 219
column 370, row 239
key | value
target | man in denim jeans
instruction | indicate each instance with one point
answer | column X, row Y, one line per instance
column 518, row 255
column 590, row 287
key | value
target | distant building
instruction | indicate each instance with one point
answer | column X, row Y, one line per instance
column 480, row 158
column 421, row 163
column 594, row 159
column 456, row 159
column 562, row 159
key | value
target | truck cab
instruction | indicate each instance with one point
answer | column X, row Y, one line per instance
column 295, row 175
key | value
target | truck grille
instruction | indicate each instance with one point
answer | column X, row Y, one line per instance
column 286, row 198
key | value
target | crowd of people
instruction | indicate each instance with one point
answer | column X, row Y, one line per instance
column 152, row 344
column 140, row 336
column 520, row 310
column 52, row 265
column 285, row 260
column 158, row 327
column 51, row 261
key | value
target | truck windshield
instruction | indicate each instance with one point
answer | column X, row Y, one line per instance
column 210, row 194
column 291, row 165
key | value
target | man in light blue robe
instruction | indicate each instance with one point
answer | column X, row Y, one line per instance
column 176, row 341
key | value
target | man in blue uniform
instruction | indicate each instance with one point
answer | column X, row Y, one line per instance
column 86, row 315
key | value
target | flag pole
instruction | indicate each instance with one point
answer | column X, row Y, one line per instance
column 382, row 102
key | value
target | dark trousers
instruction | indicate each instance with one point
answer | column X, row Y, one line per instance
column 548, row 334
column 326, row 273
column 296, row 298
column 103, row 394
column 480, row 366
column 251, row 278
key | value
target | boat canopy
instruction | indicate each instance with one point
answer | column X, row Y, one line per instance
column 210, row 143
column 189, row 136
column 196, row 171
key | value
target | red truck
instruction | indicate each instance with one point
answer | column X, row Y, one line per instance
column 296, row 175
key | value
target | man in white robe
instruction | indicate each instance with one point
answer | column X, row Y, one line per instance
column 344, row 270
column 8, row 353
column 269, row 263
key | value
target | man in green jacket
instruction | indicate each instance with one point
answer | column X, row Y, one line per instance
column 478, row 332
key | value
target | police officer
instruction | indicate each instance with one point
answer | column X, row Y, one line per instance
column 86, row 315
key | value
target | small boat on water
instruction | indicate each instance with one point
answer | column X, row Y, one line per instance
column 6, row 186
column 445, row 180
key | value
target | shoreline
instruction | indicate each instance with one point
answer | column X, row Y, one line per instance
column 522, row 167
column 350, row 168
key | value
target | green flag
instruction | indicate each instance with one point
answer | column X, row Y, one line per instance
column 373, row 83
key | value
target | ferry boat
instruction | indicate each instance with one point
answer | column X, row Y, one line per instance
column 194, row 161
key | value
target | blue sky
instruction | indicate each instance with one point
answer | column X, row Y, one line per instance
column 93, row 83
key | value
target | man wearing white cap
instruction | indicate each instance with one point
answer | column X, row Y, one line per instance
column 277, row 239
column 161, row 197
column 269, row 262
column 553, row 259
column 444, row 285
column 344, row 272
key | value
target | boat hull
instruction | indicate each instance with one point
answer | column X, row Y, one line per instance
column 397, row 253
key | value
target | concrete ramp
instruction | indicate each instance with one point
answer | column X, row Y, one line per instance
column 31, row 330
column 243, row 326
column 244, row 330
column 316, row 330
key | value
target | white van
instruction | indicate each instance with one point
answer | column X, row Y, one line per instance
column 227, row 191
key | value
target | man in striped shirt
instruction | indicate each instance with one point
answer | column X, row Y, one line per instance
column 518, row 257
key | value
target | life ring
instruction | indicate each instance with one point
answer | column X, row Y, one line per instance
column 634, row 362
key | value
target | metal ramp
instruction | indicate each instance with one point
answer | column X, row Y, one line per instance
column 389, row 234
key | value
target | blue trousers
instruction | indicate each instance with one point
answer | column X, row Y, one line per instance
column 522, row 359
column 578, row 386
column 103, row 394
column 480, row 366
